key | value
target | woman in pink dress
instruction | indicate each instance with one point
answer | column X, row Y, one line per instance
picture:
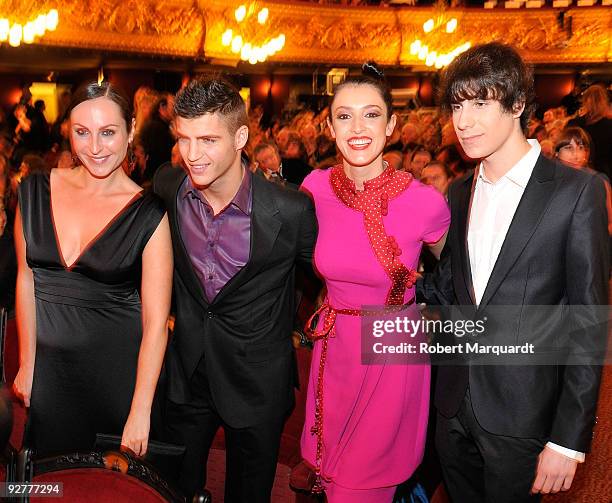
column 365, row 424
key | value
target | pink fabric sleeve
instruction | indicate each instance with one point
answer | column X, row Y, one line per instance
column 436, row 216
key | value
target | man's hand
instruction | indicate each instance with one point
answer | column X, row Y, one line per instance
column 554, row 473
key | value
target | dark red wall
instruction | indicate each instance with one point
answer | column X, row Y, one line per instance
column 260, row 87
column 130, row 80
column 280, row 91
column 403, row 82
column 427, row 92
column 10, row 90
column 550, row 89
column 271, row 91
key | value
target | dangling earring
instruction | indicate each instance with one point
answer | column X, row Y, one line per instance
column 76, row 161
column 131, row 157
column 129, row 163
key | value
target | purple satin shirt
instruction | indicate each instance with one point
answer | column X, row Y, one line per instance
column 218, row 245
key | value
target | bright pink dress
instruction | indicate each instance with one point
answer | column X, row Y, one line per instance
column 375, row 416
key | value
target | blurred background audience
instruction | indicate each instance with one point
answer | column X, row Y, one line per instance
column 285, row 148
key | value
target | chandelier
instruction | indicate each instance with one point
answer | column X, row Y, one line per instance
column 27, row 32
column 438, row 47
column 248, row 38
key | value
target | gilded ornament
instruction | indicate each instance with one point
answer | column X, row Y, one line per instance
column 319, row 34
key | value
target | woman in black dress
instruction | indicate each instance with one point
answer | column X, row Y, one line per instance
column 93, row 288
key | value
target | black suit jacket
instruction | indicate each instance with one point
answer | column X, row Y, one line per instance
column 244, row 334
column 555, row 254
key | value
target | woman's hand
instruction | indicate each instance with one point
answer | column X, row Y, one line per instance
column 136, row 432
column 156, row 284
column 2, row 220
column 22, row 386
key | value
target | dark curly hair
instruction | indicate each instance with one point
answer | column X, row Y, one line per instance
column 491, row 71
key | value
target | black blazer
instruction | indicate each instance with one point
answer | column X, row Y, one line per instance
column 244, row 334
column 555, row 253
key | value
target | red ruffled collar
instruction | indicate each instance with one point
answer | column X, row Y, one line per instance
column 373, row 202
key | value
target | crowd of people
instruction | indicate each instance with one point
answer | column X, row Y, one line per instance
column 287, row 150
column 423, row 143
column 113, row 210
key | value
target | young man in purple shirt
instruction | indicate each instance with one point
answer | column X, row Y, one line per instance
column 237, row 239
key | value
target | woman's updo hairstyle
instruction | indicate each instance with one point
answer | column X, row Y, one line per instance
column 372, row 75
column 93, row 90
column 371, row 69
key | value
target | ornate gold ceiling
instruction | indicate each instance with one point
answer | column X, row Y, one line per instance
column 317, row 34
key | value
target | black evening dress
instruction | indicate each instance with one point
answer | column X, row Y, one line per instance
column 88, row 322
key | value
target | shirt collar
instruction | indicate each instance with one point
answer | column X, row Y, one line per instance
column 187, row 189
column 269, row 175
column 521, row 172
column 242, row 200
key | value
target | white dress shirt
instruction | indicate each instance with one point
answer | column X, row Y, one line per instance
column 492, row 210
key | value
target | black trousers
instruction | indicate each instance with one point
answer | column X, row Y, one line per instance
column 479, row 467
column 251, row 453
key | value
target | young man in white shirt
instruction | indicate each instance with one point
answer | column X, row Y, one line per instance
column 525, row 231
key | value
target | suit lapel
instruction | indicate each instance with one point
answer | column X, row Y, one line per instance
column 265, row 226
column 529, row 212
column 464, row 199
column 182, row 260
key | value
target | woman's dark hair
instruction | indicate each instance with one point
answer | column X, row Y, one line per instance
column 295, row 138
column 373, row 76
column 491, row 71
column 35, row 164
column 324, row 148
column 579, row 135
column 94, row 90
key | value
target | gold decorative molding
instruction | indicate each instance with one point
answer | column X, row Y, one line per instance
column 319, row 34
column 336, row 35
column 169, row 27
column 316, row 34
column 537, row 33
